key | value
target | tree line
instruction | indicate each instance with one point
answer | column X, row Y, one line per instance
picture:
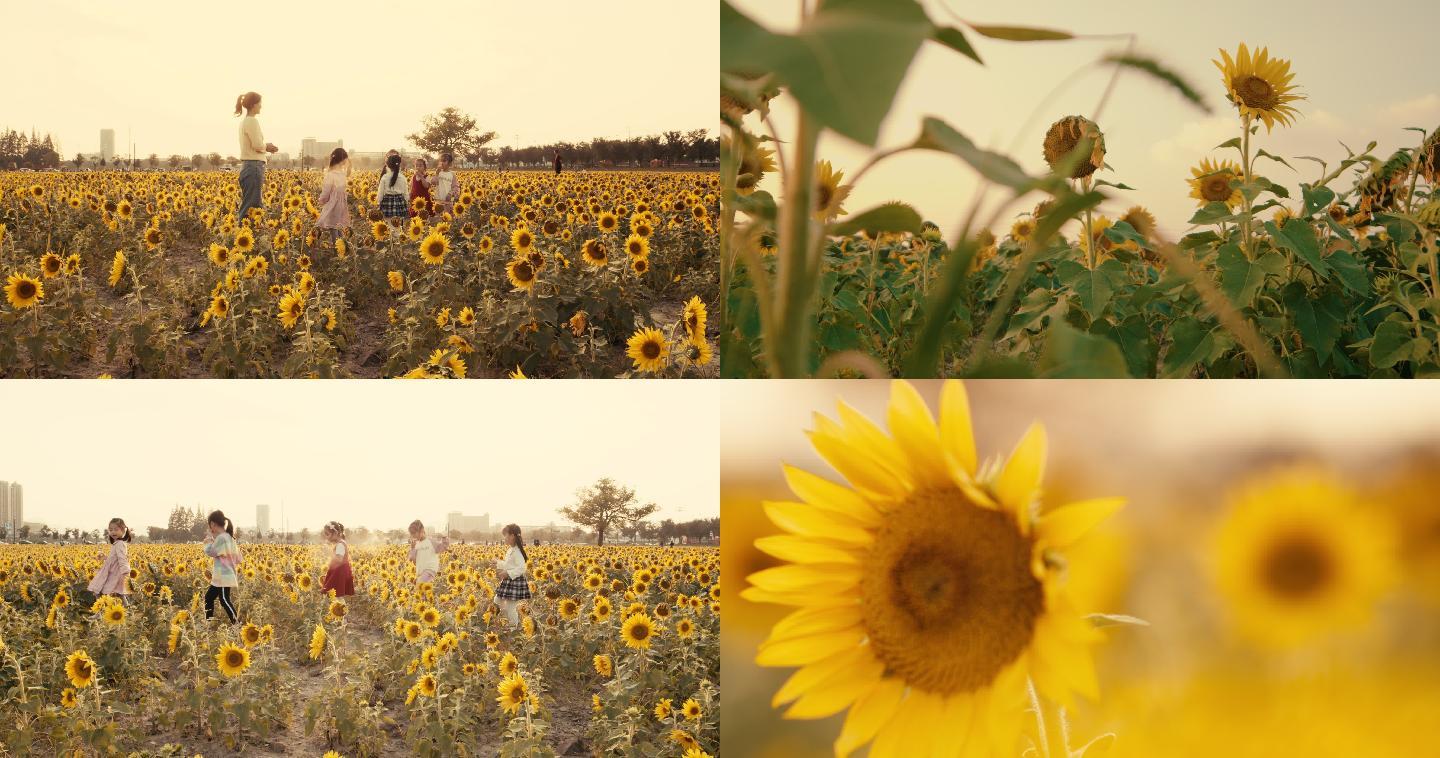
column 33, row 151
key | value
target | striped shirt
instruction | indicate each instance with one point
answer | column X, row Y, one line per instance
column 226, row 553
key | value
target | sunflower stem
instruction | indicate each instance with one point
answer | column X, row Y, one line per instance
column 787, row 341
column 1089, row 228
column 1245, row 220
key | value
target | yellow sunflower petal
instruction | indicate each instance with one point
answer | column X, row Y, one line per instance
column 838, row 691
column 956, row 436
column 909, row 733
column 804, row 550
column 1068, row 523
column 807, row 579
column 799, row 518
column 916, row 434
column 1019, row 480
column 809, row 621
column 833, row 498
column 802, row 651
column 869, row 714
column 838, row 449
column 809, row 677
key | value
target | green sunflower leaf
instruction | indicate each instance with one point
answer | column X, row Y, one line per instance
column 890, row 217
column 1158, row 71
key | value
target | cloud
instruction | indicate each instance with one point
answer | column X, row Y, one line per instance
column 1195, row 137
column 1422, row 111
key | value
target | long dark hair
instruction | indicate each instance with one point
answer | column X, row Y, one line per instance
column 338, row 156
column 519, row 541
column 218, row 519
column 120, row 522
column 393, row 164
column 246, row 101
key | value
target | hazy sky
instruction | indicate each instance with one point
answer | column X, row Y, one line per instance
column 371, row 453
column 1369, row 71
column 366, row 72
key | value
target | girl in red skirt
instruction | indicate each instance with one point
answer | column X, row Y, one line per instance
column 420, row 187
column 337, row 576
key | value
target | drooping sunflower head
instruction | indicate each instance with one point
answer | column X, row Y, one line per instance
column 1211, row 182
column 1298, row 556
column 317, row 642
column 829, row 193
column 1259, row 86
column 923, row 548
column 1065, row 135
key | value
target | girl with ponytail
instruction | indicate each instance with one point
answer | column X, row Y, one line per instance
column 220, row 545
column 514, row 587
column 113, row 578
column 338, row 576
column 393, row 194
column 253, row 152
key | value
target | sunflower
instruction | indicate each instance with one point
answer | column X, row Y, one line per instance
column 663, row 709
column 426, row 685
column 648, row 349
column 1259, row 86
column 518, row 373
column 50, row 265
column 23, row 291
column 68, row 698
column 1141, row 220
column 755, row 162
column 115, row 614
column 292, row 306
column 513, row 693
column 637, row 246
column 637, row 631
column 684, row 629
column 337, row 609
column 521, row 274
column 691, row 710
column 251, row 635
column 342, row 248
column 219, row 306
column 829, row 194
column 380, row 231
column 949, row 552
column 509, row 664
column 317, row 642
column 450, row 360
column 80, row 669
column 244, row 240
column 695, row 317
column 522, row 240
column 1023, row 229
column 232, row 660
column 1297, row 556
column 698, row 352
column 640, row 265
column 1065, row 135
column 433, row 249
column 603, row 665
column 1211, row 182
column 219, row 254
column 607, row 222
column 593, row 252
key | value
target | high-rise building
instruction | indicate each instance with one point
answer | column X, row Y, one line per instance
column 14, row 509
column 262, row 520
column 5, row 506
column 313, row 148
column 455, row 521
column 107, row 145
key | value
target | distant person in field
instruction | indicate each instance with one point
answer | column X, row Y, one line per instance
column 254, row 151
column 338, row 576
column 394, row 193
column 425, row 553
column 113, row 578
column 220, row 545
column 557, row 162
column 447, row 187
column 513, row 586
column 334, row 209
column 420, row 187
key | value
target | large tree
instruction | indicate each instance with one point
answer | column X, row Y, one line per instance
column 606, row 505
column 450, row 131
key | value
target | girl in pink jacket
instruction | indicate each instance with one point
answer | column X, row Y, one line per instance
column 113, row 578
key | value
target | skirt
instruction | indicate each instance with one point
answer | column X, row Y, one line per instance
column 513, row 589
column 395, row 206
column 339, row 579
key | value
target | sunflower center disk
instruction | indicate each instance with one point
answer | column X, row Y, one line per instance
column 1256, row 92
column 1216, row 188
column 951, row 600
column 1296, row 568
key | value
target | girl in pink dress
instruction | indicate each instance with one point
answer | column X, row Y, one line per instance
column 420, row 187
column 114, row 575
column 334, row 211
column 338, row 575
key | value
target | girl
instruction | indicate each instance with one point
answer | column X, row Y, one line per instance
column 446, row 188
column 334, row 212
column 420, row 187
column 424, row 553
column 220, row 544
column 394, row 195
column 253, row 152
column 338, row 576
column 114, row 574
column 513, row 585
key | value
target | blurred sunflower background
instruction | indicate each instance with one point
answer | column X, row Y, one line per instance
column 1282, row 540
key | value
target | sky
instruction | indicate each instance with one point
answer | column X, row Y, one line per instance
column 1368, row 71
column 367, row 72
column 364, row 453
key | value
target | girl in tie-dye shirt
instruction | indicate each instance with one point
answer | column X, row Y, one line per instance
column 224, row 574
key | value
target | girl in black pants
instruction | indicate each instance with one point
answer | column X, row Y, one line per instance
column 224, row 578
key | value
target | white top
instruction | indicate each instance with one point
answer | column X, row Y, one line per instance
column 444, row 185
column 425, row 557
column 252, row 141
column 402, row 187
column 339, row 548
column 514, row 564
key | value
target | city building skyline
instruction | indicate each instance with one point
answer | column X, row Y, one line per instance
column 262, row 518
column 107, row 145
column 455, row 521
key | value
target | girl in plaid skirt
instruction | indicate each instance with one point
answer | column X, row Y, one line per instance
column 393, row 193
column 513, row 585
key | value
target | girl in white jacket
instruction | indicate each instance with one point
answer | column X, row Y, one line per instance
column 514, row 587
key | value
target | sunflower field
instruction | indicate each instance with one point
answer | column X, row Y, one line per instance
column 617, row 654
column 527, row 275
column 1330, row 274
